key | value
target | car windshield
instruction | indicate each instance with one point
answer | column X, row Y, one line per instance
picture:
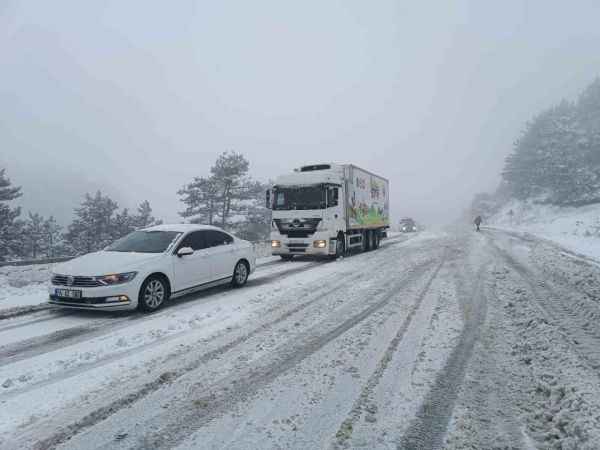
column 145, row 242
column 305, row 197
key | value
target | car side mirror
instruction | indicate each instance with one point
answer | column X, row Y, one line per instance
column 185, row 251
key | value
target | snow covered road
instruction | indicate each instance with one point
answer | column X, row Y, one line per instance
column 447, row 340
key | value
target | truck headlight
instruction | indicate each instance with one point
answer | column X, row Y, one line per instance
column 116, row 278
column 320, row 244
column 275, row 244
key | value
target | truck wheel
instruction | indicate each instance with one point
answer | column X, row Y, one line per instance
column 340, row 246
column 365, row 241
column 376, row 240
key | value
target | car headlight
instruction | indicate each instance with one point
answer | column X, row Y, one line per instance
column 116, row 278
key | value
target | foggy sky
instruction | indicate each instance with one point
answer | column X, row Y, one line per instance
column 135, row 98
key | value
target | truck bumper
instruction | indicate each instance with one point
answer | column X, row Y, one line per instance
column 303, row 246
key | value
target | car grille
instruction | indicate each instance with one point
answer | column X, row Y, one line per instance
column 65, row 280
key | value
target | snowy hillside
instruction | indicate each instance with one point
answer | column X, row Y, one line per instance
column 577, row 229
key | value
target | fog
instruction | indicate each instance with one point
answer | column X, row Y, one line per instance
column 136, row 98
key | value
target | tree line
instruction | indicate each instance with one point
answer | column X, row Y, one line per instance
column 556, row 158
column 97, row 222
column 228, row 198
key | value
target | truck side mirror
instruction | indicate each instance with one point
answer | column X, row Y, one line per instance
column 268, row 199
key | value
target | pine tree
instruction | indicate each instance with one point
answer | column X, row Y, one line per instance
column 123, row 224
column 10, row 226
column 52, row 235
column 144, row 217
column 33, row 236
column 229, row 197
column 94, row 225
column 256, row 219
column 231, row 174
column 201, row 198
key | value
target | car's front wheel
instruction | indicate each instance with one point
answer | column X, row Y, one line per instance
column 240, row 274
column 153, row 294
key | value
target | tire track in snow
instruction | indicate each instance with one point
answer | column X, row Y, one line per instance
column 18, row 311
column 428, row 428
column 344, row 433
column 579, row 333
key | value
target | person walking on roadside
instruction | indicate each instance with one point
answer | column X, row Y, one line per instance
column 477, row 222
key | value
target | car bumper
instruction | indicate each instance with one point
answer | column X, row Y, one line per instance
column 114, row 298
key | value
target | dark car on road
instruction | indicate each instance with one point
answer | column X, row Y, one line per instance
column 408, row 225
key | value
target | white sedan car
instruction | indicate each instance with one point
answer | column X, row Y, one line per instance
column 148, row 267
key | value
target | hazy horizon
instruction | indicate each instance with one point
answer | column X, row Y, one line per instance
column 135, row 99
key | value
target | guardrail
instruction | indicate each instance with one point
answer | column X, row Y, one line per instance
column 33, row 262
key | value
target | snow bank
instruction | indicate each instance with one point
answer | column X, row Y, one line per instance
column 577, row 229
column 23, row 285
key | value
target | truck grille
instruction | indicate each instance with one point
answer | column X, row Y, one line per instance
column 297, row 228
column 66, row 280
column 297, row 247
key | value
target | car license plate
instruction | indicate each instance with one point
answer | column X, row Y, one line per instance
column 68, row 293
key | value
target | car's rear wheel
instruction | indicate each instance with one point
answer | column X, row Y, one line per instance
column 240, row 274
column 153, row 294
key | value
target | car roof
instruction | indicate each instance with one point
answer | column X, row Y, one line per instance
column 182, row 227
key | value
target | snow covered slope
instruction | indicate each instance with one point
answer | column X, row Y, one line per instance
column 577, row 229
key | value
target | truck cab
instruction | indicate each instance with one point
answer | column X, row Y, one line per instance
column 307, row 211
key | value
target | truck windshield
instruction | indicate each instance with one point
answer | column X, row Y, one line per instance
column 301, row 197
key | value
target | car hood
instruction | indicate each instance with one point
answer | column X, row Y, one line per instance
column 103, row 263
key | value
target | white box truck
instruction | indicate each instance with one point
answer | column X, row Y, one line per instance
column 328, row 209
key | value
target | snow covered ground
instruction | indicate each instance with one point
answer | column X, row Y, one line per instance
column 577, row 229
column 436, row 340
column 23, row 287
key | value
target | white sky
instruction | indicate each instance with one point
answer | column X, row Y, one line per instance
column 136, row 98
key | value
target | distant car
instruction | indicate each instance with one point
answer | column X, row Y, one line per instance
column 148, row 267
column 408, row 225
